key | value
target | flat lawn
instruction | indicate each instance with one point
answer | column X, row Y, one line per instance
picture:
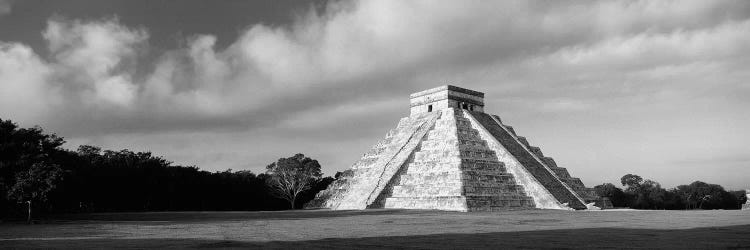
column 387, row 229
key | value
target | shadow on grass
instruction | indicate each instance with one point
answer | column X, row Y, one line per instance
column 731, row 237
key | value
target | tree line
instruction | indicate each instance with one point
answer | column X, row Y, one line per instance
column 37, row 172
column 641, row 193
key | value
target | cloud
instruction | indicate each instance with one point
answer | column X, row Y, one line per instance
column 92, row 59
column 355, row 62
column 24, row 89
column 375, row 47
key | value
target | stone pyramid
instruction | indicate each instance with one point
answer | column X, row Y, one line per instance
column 450, row 155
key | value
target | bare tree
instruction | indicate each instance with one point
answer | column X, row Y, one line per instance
column 288, row 177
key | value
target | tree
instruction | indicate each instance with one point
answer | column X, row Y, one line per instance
column 23, row 151
column 703, row 195
column 615, row 194
column 98, row 180
column 35, row 183
column 653, row 195
column 288, row 177
column 631, row 181
column 740, row 197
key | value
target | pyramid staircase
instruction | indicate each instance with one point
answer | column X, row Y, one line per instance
column 455, row 170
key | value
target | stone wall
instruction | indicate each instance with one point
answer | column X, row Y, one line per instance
column 541, row 196
column 369, row 176
column 531, row 162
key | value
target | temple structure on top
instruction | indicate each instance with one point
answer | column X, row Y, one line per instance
column 444, row 97
column 448, row 154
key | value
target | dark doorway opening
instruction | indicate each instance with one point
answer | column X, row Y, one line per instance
column 429, row 108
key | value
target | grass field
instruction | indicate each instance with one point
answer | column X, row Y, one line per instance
column 389, row 229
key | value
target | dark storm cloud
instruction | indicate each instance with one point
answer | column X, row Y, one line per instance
column 244, row 84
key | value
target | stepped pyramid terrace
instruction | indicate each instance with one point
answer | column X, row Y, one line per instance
column 448, row 154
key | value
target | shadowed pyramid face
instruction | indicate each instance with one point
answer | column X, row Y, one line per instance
column 450, row 155
column 447, row 96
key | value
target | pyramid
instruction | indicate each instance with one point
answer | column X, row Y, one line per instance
column 448, row 154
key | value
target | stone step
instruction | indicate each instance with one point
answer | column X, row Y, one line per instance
column 456, row 188
column 467, row 131
column 493, row 191
column 574, row 183
column 463, row 123
column 550, row 162
column 450, row 203
column 510, row 129
column 472, row 137
column 561, row 172
column 489, row 171
column 459, row 203
column 484, row 203
column 428, row 161
column 435, row 156
column 439, row 144
column 537, row 151
column 500, row 177
column 365, row 163
column 440, row 134
column 475, row 147
column 452, row 129
column 478, row 150
column 523, row 141
column 467, row 152
column 445, row 123
column 481, row 155
column 498, row 119
column 465, row 162
column 424, row 167
column 374, row 153
column 477, row 143
column 452, row 189
column 454, row 176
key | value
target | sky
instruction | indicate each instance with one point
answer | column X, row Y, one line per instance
column 655, row 88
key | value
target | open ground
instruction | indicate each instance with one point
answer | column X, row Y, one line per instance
column 388, row 229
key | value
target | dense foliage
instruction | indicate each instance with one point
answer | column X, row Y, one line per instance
column 94, row 180
column 648, row 194
column 34, row 168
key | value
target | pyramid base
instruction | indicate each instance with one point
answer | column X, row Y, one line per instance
column 461, row 203
column 449, row 203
